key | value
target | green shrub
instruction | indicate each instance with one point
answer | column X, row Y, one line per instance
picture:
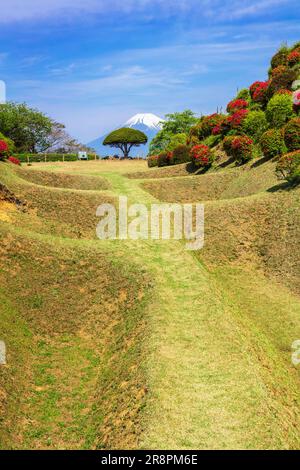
column 272, row 143
column 227, row 145
column 212, row 140
column 282, row 80
column 192, row 140
column 163, row 159
column 292, row 134
column 242, row 148
column 256, row 106
column 279, row 110
column 181, row 154
column 176, row 139
column 195, row 130
column 255, row 124
column 244, row 94
column 10, row 144
column 280, row 58
column 208, row 123
column 288, row 167
column 152, row 161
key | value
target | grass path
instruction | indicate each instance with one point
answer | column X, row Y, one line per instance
column 210, row 368
column 218, row 375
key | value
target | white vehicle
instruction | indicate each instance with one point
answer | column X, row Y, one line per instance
column 83, row 156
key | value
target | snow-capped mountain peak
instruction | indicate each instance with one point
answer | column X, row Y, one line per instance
column 149, row 124
column 148, row 120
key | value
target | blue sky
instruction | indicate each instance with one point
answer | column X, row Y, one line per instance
column 92, row 64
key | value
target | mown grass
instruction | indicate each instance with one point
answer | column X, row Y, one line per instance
column 228, row 183
column 205, row 364
column 80, row 311
column 65, row 181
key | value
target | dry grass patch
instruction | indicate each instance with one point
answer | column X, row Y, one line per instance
column 60, row 180
column 72, row 319
column 263, row 232
column 227, row 184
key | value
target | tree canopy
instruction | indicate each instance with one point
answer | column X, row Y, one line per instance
column 32, row 131
column 175, row 124
column 125, row 138
column 27, row 127
column 179, row 123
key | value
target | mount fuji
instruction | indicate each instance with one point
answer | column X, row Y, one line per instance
column 148, row 123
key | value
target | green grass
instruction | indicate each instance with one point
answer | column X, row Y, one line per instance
column 205, row 364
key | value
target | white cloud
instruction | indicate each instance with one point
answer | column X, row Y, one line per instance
column 244, row 8
column 17, row 10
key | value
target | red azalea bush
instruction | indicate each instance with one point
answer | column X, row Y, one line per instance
column 242, row 148
column 3, row 149
column 272, row 143
column 236, row 119
column 202, row 156
column 152, row 161
column 170, row 158
column 254, row 87
column 181, row 154
column 217, row 130
column 282, row 80
column 292, row 134
column 294, row 57
column 283, row 91
column 258, row 91
column 208, row 123
column 278, row 70
column 288, row 167
column 280, row 58
column 163, row 159
column 236, row 105
column 15, row 161
column 227, row 145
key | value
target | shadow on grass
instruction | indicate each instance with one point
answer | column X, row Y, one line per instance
column 284, row 186
column 260, row 162
column 191, row 169
column 226, row 163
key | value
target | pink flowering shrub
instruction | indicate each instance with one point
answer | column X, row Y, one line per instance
column 296, row 99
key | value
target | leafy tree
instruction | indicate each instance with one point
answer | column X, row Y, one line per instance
column 176, row 123
column 32, row 131
column 125, row 138
column 27, row 127
column 160, row 142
